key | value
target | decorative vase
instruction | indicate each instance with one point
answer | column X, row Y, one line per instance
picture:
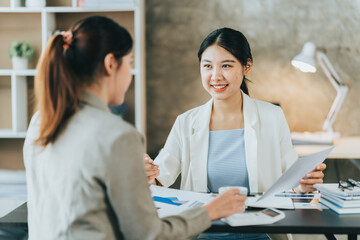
column 35, row 3
column 15, row 3
column 20, row 63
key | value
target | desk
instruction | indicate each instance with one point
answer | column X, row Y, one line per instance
column 308, row 221
column 14, row 225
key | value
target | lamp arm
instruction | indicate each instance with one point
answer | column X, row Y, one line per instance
column 335, row 108
column 329, row 70
column 340, row 87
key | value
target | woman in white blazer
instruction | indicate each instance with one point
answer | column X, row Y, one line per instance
column 229, row 122
column 225, row 60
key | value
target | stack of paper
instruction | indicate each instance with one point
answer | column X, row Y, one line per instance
column 340, row 201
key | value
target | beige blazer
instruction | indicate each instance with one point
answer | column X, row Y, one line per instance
column 268, row 146
column 90, row 183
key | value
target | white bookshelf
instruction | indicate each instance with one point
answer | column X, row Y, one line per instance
column 53, row 18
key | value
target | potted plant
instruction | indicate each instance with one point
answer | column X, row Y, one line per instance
column 20, row 52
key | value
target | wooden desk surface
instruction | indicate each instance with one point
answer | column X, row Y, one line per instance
column 346, row 148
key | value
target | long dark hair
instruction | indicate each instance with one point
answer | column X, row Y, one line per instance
column 234, row 42
column 65, row 68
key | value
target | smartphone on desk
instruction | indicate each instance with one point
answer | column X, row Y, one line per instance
column 266, row 216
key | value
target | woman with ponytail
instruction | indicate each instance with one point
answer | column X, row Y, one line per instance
column 84, row 165
column 232, row 140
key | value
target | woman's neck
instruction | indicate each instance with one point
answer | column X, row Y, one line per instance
column 227, row 114
column 229, row 106
column 99, row 90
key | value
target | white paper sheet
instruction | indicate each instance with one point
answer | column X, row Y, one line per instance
column 9, row 204
column 190, row 199
column 270, row 202
column 298, row 170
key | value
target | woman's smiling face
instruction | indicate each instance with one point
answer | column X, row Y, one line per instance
column 221, row 73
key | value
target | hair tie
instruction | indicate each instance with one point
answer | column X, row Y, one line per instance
column 67, row 38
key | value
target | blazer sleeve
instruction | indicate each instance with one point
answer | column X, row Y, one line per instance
column 130, row 197
column 288, row 152
column 169, row 158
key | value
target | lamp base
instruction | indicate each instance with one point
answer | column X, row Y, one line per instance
column 314, row 138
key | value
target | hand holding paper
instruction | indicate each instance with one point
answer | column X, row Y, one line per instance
column 314, row 177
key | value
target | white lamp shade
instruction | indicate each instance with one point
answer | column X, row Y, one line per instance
column 305, row 60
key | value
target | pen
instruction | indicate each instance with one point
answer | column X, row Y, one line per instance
column 254, row 194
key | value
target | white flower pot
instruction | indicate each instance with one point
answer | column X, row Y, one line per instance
column 20, row 63
column 15, row 3
column 35, row 3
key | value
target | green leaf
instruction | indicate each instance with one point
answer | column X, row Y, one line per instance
column 21, row 49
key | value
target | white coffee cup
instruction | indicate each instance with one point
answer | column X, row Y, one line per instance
column 243, row 190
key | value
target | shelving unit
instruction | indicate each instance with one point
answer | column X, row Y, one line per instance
column 36, row 25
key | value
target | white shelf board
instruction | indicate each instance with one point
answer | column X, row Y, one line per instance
column 32, row 72
column 5, row 72
column 20, row 10
column 8, row 133
column 121, row 7
column 9, row 72
column 116, row 8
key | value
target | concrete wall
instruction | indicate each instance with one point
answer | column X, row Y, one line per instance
column 276, row 30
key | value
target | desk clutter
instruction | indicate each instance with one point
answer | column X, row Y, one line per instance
column 342, row 198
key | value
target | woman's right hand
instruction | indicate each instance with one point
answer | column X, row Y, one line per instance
column 152, row 171
column 226, row 204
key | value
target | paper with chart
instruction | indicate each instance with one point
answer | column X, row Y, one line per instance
column 170, row 201
column 297, row 170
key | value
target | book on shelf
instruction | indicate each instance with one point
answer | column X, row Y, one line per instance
column 338, row 209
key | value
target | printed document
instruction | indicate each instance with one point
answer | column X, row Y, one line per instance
column 170, row 201
column 292, row 176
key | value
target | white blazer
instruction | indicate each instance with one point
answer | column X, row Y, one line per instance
column 268, row 148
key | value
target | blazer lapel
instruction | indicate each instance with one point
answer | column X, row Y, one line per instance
column 199, row 146
column 251, row 125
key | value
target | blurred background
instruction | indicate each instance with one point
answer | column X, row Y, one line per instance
column 276, row 31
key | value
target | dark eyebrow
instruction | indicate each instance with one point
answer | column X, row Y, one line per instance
column 205, row 60
column 232, row 61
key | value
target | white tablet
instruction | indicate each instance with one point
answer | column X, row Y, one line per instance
column 266, row 216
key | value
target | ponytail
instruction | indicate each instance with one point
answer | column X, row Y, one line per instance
column 244, row 87
column 56, row 90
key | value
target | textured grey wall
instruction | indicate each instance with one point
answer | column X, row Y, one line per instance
column 276, row 30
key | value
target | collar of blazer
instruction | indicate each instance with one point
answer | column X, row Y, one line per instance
column 93, row 100
column 199, row 144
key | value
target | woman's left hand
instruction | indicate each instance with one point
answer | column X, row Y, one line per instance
column 313, row 177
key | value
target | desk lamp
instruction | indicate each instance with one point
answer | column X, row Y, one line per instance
column 306, row 63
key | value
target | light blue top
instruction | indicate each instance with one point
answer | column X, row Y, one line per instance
column 226, row 160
